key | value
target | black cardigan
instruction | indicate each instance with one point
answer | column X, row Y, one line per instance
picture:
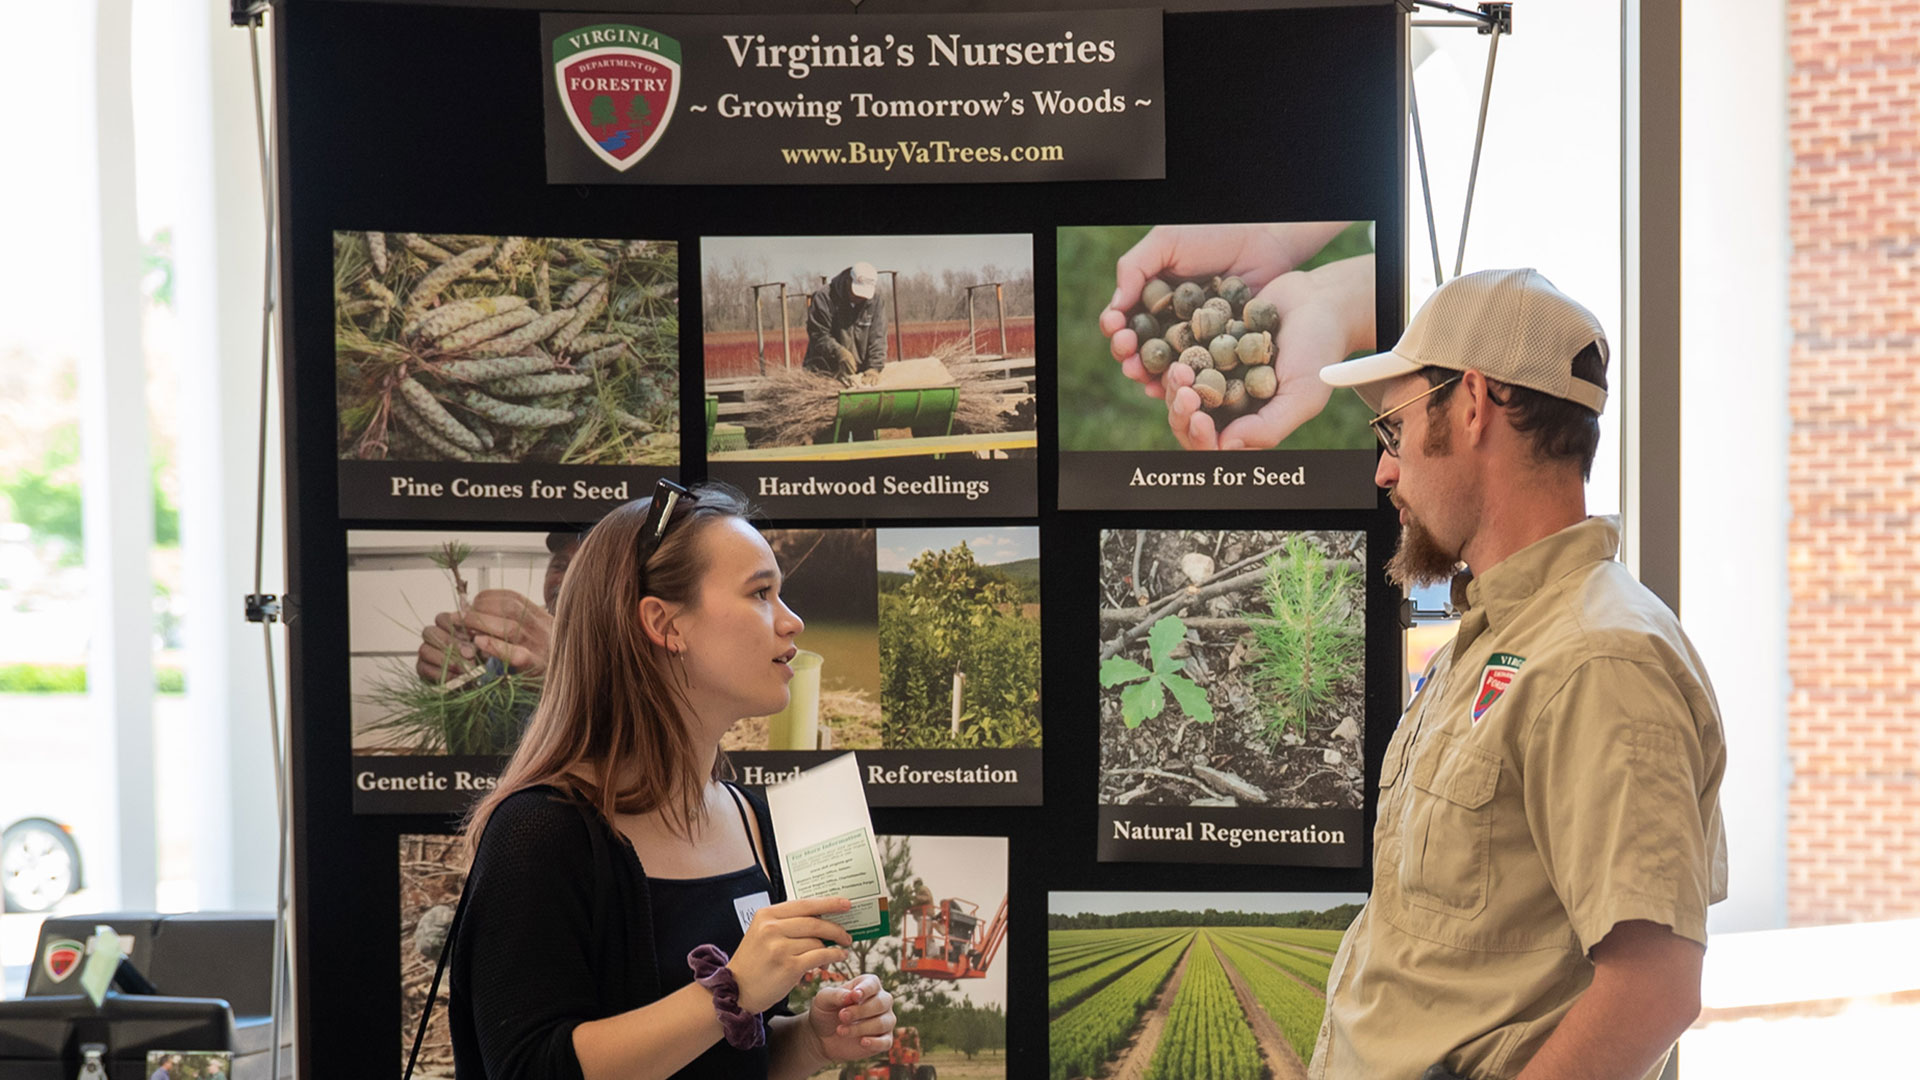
column 554, row 894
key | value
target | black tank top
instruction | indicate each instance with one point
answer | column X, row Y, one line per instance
column 689, row 912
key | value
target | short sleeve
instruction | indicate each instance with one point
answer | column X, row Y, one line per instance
column 1621, row 774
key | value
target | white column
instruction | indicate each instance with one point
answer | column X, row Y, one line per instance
column 1733, row 540
column 117, row 496
column 219, row 248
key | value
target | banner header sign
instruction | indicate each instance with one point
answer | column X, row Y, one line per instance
column 843, row 99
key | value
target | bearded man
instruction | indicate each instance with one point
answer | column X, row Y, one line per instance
column 1549, row 834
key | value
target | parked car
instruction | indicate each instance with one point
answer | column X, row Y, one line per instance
column 39, row 864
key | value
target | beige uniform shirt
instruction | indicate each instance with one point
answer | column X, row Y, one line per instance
column 1558, row 773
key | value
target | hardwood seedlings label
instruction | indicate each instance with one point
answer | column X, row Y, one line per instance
column 839, row 99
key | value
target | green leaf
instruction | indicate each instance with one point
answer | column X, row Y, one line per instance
column 1191, row 696
column 1163, row 638
column 1118, row 669
column 1141, row 701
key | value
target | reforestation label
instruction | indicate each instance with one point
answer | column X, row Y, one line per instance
column 835, row 99
column 619, row 85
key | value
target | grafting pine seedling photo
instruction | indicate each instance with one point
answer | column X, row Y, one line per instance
column 506, row 349
column 1231, row 668
column 449, row 635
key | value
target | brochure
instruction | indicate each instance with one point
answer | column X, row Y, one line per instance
column 827, row 846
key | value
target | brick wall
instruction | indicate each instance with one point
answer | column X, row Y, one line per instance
column 1853, row 646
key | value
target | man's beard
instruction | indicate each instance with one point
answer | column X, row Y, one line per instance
column 1420, row 560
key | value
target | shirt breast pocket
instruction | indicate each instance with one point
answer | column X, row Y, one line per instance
column 1444, row 866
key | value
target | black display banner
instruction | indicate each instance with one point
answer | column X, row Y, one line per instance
column 457, row 491
column 1231, row 834
column 913, row 777
column 1275, row 479
column 881, row 99
column 959, row 487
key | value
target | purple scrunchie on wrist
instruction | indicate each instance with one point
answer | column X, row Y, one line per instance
column 744, row 1030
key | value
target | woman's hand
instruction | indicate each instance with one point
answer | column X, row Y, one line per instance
column 853, row 1020
column 784, row 942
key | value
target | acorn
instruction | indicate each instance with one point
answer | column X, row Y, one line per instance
column 1261, row 315
column 1223, row 354
column 1261, row 382
column 1187, row 299
column 1234, row 291
column 1236, row 327
column 1219, row 305
column 1157, row 296
column 1255, row 348
column 1211, row 386
column 1155, row 355
column 1236, row 395
column 1144, row 326
column 1207, row 324
column 1198, row 358
column 1180, row 336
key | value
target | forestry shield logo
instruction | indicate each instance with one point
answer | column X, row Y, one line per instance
column 61, row 957
column 618, row 85
column 1494, row 680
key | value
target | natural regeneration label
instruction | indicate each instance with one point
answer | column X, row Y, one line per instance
column 1231, row 834
column 835, row 99
column 1193, row 480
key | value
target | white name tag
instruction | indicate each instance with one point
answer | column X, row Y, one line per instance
column 745, row 906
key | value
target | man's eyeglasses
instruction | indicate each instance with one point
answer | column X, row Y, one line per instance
column 1390, row 435
column 666, row 496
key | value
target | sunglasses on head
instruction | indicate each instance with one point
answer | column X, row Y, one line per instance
column 666, row 496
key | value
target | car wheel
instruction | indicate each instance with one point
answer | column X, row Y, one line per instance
column 39, row 865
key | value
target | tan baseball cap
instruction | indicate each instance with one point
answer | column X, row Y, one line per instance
column 1510, row 325
column 866, row 280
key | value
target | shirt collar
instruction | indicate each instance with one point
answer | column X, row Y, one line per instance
column 1508, row 585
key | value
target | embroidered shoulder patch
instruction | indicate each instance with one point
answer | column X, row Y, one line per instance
column 1494, row 680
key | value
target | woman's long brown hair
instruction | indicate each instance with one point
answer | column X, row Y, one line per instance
column 611, row 726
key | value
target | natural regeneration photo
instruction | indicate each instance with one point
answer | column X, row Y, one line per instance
column 1206, row 337
column 506, row 349
column 960, row 637
column 837, row 347
column 432, row 869
column 944, row 962
column 449, row 635
column 1189, row 986
column 1232, row 668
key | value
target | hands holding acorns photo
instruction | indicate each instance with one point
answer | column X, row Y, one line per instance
column 1215, row 321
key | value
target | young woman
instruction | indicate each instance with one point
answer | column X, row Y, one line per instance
column 611, row 856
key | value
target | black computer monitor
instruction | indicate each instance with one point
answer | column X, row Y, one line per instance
column 41, row 1037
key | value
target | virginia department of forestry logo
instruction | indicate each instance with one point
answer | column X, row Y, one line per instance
column 618, row 85
column 1494, row 680
column 61, row 957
